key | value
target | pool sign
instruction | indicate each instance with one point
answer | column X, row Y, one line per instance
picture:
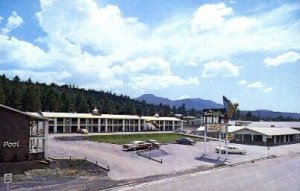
column 8, row 178
column 8, row 144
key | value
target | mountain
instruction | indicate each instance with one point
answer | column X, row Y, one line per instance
column 196, row 103
column 199, row 104
column 150, row 98
column 273, row 114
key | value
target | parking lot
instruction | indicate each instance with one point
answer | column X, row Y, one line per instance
column 128, row 164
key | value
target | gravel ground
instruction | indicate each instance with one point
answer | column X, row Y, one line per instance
column 176, row 158
column 129, row 167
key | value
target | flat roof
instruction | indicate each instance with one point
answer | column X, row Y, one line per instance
column 270, row 131
column 25, row 113
column 102, row 116
column 274, row 123
column 153, row 118
column 87, row 115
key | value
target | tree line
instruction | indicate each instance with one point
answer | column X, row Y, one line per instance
column 33, row 97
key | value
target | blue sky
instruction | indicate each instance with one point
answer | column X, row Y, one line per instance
column 246, row 50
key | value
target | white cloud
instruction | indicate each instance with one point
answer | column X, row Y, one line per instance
column 239, row 24
column 209, row 16
column 23, row 53
column 46, row 77
column 223, row 68
column 155, row 82
column 102, row 48
column 150, row 64
column 14, row 21
column 184, row 97
column 242, row 82
column 256, row 85
column 268, row 90
column 288, row 57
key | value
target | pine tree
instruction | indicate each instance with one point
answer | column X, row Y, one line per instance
column 65, row 100
column 16, row 94
column 2, row 94
column 81, row 104
column 31, row 100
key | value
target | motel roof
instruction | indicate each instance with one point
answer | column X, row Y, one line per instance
column 87, row 115
column 102, row 116
column 270, row 131
column 280, row 124
column 153, row 118
column 32, row 116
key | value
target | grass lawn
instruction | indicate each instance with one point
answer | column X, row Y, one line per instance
column 123, row 139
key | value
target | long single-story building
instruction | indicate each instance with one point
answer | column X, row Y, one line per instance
column 256, row 135
column 264, row 135
column 103, row 123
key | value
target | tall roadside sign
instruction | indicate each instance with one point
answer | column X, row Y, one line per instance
column 212, row 119
column 216, row 121
column 230, row 110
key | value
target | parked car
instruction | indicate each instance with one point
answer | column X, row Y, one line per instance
column 231, row 149
column 179, row 131
column 137, row 145
column 83, row 131
column 185, row 141
column 154, row 143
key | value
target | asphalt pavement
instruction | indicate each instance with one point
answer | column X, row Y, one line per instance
column 277, row 174
column 176, row 158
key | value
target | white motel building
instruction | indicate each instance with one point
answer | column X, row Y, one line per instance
column 106, row 123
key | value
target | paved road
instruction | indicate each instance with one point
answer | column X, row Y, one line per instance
column 281, row 173
column 176, row 158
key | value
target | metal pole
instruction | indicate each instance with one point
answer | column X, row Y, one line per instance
column 226, row 140
column 219, row 145
column 205, row 134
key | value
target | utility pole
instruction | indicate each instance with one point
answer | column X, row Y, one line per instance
column 226, row 139
column 204, row 145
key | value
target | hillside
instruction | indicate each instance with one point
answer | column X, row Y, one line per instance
column 29, row 96
column 190, row 103
column 199, row 104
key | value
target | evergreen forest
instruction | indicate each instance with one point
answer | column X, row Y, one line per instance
column 33, row 97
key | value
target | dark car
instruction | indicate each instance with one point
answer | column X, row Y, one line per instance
column 185, row 141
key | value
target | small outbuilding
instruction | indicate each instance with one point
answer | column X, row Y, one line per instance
column 23, row 137
column 265, row 135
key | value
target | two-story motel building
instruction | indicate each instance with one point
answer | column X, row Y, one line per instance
column 106, row 123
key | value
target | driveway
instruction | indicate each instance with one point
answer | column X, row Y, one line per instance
column 128, row 165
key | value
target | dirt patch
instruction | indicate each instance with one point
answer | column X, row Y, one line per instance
column 79, row 175
column 61, row 172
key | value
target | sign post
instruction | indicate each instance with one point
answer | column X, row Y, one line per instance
column 230, row 110
column 205, row 134
column 212, row 119
column 220, row 139
column 7, row 180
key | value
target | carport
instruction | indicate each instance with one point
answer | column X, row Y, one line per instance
column 269, row 135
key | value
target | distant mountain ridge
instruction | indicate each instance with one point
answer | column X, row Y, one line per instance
column 199, row 104
column 273, row 114
column 195, row 103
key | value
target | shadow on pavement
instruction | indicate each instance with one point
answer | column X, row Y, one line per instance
column 209, row 159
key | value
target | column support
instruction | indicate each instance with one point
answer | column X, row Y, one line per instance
column 55, row 125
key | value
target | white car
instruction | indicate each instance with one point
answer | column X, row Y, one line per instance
column 231, row 149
